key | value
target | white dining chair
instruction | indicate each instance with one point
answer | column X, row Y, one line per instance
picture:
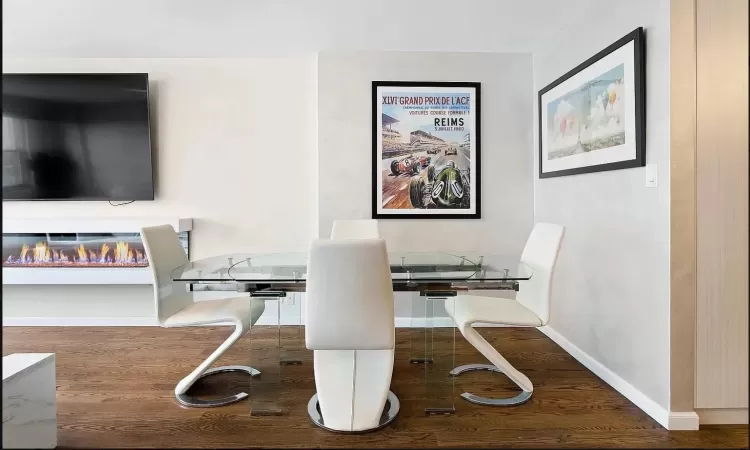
column 531, row 308
column 350, row 325
column 355, row 229
column 175, row 308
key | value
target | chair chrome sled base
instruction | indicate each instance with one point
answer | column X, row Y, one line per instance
column 192, row 402
column 519, row 399
column 390, row 411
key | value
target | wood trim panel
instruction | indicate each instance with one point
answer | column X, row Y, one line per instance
column 722, row 204
column 682, row 62
column 737, row 416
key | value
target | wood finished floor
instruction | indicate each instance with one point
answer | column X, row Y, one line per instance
column 115, row 385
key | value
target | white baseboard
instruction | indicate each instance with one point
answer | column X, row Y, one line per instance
column 723, row 416
column 401, row 322
column 80, row 321
column 682, row 421
column 285, row 320
column 667, row 419
column 419, row 322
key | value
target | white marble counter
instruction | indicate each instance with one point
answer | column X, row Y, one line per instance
column 29, row 406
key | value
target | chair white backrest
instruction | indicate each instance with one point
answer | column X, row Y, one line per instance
column 355, row 229
column 349, row 302
column 165, row 253
column 350, row 325
column 540, row 254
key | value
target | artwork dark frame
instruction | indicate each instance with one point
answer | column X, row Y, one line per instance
column 639, row 110
column 474, row 151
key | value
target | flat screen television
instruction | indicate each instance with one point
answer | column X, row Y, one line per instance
column 76, row 137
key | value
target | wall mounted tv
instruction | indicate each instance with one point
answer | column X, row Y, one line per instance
column 76, row 137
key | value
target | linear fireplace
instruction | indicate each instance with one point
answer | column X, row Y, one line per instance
column 76, row 250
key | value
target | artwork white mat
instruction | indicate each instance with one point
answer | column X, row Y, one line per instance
column 627, row 151
column 471, row 128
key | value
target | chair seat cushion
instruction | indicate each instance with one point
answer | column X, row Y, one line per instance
column 470, row 309
column 237, row 309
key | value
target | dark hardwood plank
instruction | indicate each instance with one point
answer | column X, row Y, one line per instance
column 115, row 389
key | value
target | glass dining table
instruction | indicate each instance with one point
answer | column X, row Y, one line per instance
column 277, row 340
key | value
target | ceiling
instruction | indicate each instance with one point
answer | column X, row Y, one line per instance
column 236, row 28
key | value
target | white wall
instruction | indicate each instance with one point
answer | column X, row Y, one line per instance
column 345, row 146
column 611, row 287
column 345, row 150
column 234, row 143
column 242, row 28
column 236, row 150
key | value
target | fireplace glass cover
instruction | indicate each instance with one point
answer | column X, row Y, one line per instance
column 76, row 249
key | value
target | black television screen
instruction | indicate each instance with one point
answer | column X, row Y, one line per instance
column 76, row 137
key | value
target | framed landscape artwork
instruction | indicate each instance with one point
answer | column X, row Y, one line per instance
column 593, row 118
column 425, row 150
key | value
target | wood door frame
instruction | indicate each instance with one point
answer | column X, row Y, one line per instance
column 683, row 204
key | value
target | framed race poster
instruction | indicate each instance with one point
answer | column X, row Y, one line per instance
column 425, row 150
column 593, row 118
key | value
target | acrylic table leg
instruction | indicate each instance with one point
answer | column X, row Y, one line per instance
column 440, row 349
column 265, row 349
column 417, row 331
column 292, row 332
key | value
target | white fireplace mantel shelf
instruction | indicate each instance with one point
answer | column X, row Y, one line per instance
column 84, row 275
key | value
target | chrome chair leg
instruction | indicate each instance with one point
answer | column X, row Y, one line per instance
column 519, row 399
column 193, row 402
column 390, row 411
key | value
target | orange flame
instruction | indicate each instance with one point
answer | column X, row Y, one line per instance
column 121, row 252
column 41, row 252
column 42, row 255
column 105, row 250
column 81, row 253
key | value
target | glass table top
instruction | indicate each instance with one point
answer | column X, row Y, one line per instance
column 405, row 267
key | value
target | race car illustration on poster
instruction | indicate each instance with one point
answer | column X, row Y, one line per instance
column 426, row 150
column 444, row 187
column 409, row 164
